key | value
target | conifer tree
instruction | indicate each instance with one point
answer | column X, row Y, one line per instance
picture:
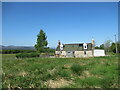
column 41, row 43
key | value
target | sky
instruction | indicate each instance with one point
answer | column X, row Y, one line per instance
column 69, row 22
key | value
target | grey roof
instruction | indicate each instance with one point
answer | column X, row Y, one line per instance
column 74, row 47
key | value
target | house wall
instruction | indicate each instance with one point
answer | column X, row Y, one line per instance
column 89, row 53
column 81, row 54
column 60, row 53
column 63, row 53
column 76, row 54
column 57, row 52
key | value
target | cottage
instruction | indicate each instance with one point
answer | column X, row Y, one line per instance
column 77, row 50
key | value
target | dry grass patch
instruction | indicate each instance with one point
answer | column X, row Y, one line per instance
column 67, row 66
column 86, row 74
column 82, row 64
column 23, row 73
column 57, row 83
column 52, row 71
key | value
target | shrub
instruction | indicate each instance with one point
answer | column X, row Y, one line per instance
column 27, row 55
column 16, row 51
column 76, row 68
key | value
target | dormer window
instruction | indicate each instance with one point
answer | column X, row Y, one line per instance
column 61, row 47
column 85, row 46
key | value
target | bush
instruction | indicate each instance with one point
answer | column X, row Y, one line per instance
column 16, row 51
column 76, row 68
column 27, row 55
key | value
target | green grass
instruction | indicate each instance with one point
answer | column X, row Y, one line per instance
column 76, row 68
column 110, row 53
column 8, row 56
column 96, row 72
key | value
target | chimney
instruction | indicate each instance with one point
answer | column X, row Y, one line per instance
column 59, row 43
column 93, row 42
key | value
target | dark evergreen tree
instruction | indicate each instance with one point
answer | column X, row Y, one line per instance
column 41, row 43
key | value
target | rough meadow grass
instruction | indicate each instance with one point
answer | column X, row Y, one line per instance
column 94, row 72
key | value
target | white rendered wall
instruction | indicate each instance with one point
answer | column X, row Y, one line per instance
column 57, row 52
column 98, row 52
column 63, row 53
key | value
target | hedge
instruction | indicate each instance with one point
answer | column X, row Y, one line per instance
column 16, row 51
column 27, row 55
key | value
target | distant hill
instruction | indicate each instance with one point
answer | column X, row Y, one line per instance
column 12, row 47
column 16, row 47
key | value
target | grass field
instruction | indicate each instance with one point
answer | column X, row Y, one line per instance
column 96, row 72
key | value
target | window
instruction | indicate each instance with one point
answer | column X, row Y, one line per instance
column 85, row 46
column 68, row 52
column 85, row 52
column 80, row 47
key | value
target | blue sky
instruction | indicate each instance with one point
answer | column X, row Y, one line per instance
column 69, row 22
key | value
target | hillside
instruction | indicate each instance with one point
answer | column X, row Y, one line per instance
column 16, row 47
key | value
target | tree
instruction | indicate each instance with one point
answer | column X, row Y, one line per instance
column 102, row 46
column 41, row 43
column 118, row 47
column 107, row 45
column 113, row 48
column 97, row 47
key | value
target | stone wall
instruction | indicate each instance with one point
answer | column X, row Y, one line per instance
column 76, row 53
column 81, row 54
column 63, row 53
column 60, row 53
column 88, row 54
column 57, row 52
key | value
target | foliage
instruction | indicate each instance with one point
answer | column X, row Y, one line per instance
column 16, row 51
column 118, row 45
column 113, row 47
column 96, row 47
column 41, row 44
column 27, row 55
column 107, row 45
column 102, row 46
